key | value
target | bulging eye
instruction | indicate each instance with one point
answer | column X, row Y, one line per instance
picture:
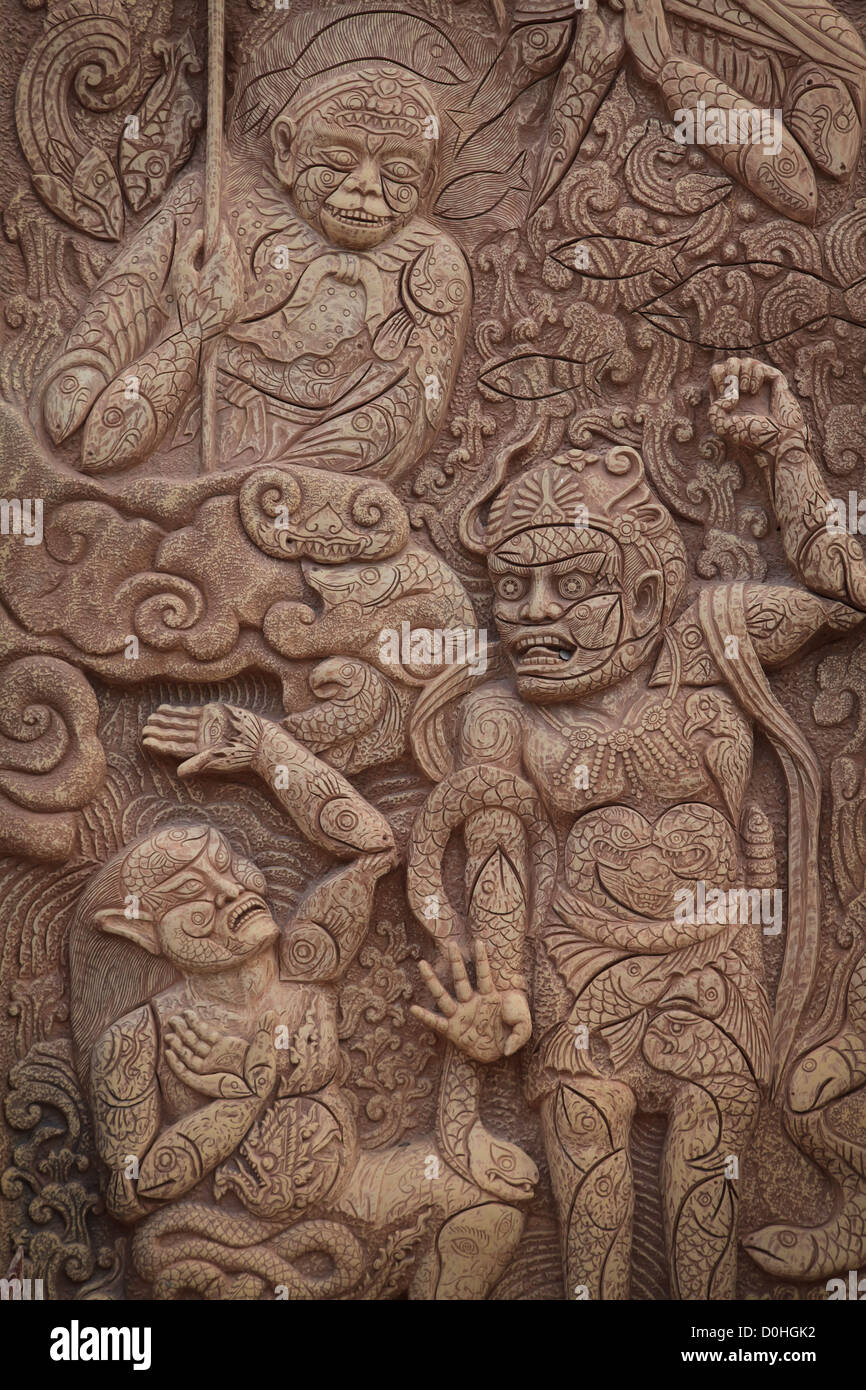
column 113, row 416
column 188, row 887
column 342, row 159
column 399, row 169
column 572, row 586
column 510, row 586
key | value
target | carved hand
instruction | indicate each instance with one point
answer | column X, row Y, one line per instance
column 261, row 1071
column 764, row 430
column 213, row 295
column 203, row 1059
column 484, row 1023
column 222, row 1067
column 209, row 738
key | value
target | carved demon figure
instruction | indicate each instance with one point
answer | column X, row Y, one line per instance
column 336, row 311
column 625, row 729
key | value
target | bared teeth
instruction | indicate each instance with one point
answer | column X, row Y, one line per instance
column 543, row 650
column 541, row 640
column 243, row 912
column 367, row 219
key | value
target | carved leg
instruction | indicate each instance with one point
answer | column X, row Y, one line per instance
column 827, row 1073
column 707, row 1135
column 475, row 1238
column 586, row 1128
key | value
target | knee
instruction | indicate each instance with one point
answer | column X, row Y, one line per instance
column 590, row 1110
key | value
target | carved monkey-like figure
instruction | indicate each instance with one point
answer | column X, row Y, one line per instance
column 631, row 728
column 224, row 1079
column 336, row 310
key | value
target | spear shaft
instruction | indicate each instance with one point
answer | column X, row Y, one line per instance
column 212, row 191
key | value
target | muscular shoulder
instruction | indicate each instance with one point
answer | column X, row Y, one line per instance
column 490, row 728
column 437, row 279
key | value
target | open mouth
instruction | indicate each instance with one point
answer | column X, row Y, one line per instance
column 539, row 651
column 252, row 907
column 333, row 550
column 356, row 218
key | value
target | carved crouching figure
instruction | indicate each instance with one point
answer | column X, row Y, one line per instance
column 336, row 310
column 218, row 1083
column 631, row 728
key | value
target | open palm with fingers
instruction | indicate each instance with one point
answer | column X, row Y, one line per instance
column 484, row 1022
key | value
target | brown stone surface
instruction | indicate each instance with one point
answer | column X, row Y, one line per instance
column 431, row 682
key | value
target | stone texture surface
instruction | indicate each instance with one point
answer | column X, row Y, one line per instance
column 431, row 680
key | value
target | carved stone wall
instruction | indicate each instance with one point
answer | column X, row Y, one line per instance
column 432, row 693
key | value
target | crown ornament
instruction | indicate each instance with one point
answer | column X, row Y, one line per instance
column 383, row 97
column 574, row 493
column 607, row 492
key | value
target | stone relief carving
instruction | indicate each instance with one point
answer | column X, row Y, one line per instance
column 431, row 700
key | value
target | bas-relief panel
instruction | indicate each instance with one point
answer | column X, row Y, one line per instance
column 432, row 697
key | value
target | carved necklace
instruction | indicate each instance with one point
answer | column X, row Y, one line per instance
column 654, row 747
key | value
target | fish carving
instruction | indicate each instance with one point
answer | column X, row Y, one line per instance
column 158, row 139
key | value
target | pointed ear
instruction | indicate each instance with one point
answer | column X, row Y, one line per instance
column 648, row 601
column 282, row 138
column 140, row 929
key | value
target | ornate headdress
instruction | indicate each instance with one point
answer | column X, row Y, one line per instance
column 293, row 67
column 578, row 492
column 388, row 98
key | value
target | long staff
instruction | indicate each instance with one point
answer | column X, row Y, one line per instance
column 212, row 191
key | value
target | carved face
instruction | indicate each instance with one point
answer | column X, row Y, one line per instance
column 569, row 609
column 359, row 167
column 210, row 914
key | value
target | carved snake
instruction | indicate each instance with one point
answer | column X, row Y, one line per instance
column 187, row 1247
column 827, row 1073
column 454, row 801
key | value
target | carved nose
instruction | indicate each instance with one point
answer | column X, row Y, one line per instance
column 227, row 893
column 539, row 606
column 365, row 179
column 647, row 868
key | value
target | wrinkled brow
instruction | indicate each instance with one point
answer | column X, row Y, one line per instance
column 587, row 561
